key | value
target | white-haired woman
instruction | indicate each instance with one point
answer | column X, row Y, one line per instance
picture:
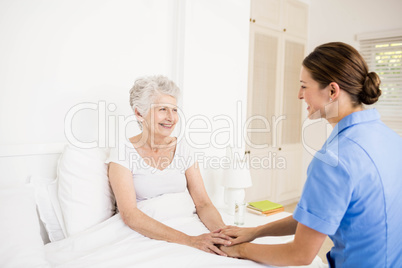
column 147, row 168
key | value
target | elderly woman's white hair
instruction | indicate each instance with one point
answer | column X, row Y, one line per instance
column 146, row 90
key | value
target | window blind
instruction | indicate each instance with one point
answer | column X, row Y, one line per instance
column 384, row 56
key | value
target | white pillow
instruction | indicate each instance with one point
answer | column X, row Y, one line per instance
column 49, row 207
column 21, row 244
column 84, row 192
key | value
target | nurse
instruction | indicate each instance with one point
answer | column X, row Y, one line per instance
column 354, row 183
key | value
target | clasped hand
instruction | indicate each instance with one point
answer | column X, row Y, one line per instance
column 223, row 241
column 238, row 235
column 210, row 242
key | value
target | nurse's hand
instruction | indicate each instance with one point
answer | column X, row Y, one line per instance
column 232, row 251
column 239, row 235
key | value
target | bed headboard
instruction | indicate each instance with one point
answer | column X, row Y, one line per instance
column 19, row 162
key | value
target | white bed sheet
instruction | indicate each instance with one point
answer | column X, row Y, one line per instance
column 113, row 244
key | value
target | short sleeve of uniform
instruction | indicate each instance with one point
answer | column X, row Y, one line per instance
column 326, row 195
column 119, row 155
column 187, row 154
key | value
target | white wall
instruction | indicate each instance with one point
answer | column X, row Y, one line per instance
column 59, row 54
column 215, row 81
column 342, row 20
column 56, row 55
column 216, row 68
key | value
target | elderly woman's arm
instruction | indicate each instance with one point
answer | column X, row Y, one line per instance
column 122, row 185
column 207, row 212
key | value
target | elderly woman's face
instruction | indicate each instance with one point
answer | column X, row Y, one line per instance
column 162, row 116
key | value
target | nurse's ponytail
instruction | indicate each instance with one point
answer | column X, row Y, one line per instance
column 371, row 89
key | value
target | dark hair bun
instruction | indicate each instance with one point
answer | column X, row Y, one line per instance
column 371, row 89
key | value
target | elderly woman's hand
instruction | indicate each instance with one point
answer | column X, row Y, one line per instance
column 239, row 235
column 210, row 242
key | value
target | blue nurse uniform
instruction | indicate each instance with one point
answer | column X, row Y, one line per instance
column 353, row 193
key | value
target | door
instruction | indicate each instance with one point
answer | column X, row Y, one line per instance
column 288, row 172
column 262, row 106
column 273, row 136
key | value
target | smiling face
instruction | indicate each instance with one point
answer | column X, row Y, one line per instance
column 315, row 98
column 162, row 116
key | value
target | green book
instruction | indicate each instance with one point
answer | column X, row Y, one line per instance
column 265, row 205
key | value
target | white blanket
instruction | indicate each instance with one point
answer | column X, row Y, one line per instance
column 113, row 244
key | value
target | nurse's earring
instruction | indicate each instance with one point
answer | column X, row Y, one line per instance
column 330, row 99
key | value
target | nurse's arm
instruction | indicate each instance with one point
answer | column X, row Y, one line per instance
column 285, row 226
column 301, row 251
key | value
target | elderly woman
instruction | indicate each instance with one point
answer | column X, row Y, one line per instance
column 353, row 188
column 149, row 167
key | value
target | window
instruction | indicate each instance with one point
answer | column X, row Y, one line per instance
column 383, row 53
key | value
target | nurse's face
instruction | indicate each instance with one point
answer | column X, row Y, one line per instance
column 315, row 98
